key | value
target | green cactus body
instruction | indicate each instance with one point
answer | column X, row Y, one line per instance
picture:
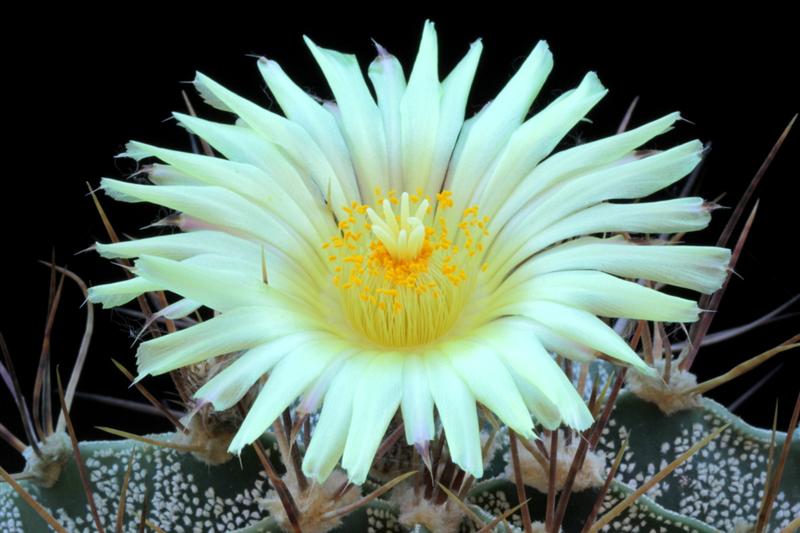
column 719, row 489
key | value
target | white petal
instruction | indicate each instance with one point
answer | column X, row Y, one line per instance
column 419, row 114
column 389, row 82
column 363, row 125
column 575, row 161
column 167, row 175
column 700, row 268
column 180, row 309
column 559, row 344
column 330, row 433
column 376, row 400
column 602, row 294
column 286, row 381
column 228, row 281
column 216, row 248
column 585, row 328
column 290, row 136
column 183, row 245
column 229, row 332
column 232, row 383
column 207, row 283
column 221, row 207
column 491, row 132
column 274, row 192
column 458, row 153
column 636, row 179
column 454, row 92
column 518, row 345
column 537, row 137
column 241, row 144
column 668, row 216
column 121, row 292
column 417, row 402
column 320, row 125
column 543, row 410
column 208, row 96
column 490, row 383
column 456, row 406
column 313, row 396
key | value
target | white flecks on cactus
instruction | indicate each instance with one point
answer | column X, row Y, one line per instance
column 183, row 495
column 722, row 485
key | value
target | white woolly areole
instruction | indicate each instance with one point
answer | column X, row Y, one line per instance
column 414, row 509
column 669, row 397
column 212, row 443
column 312, row 503
column 55, row 452
column 591, row 475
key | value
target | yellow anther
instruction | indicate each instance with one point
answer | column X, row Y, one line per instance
column 471, row 211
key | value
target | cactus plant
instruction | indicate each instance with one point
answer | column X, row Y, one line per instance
column 718, row 490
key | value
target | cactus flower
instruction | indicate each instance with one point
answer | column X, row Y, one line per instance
column 378, row 252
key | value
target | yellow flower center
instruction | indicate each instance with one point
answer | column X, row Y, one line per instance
column 403, row 275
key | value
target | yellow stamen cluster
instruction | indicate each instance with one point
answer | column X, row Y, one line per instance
column 403, row 281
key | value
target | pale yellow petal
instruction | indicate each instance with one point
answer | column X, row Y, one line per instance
column 519, row 346
column 239, row 329
column 330, row 433
column 362, row 124
column 419, row 114
column 301, row 108
column 457, row 411
column 232, row 383
column 286, row 381
column 417, row 402
column 700, row 268
column 600, row 294
column 377, row 397
column 490, row 383
column 583, row 327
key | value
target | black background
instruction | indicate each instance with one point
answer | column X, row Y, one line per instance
column 81, row 84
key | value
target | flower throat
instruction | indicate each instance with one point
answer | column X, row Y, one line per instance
column 403, row 275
